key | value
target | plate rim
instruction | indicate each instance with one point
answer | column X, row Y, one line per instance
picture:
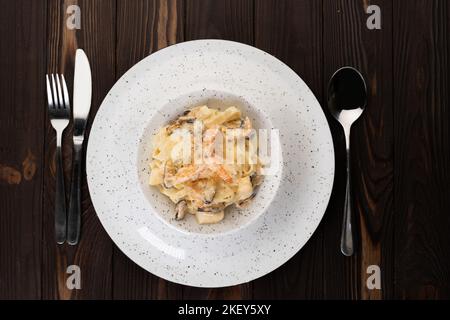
column 328, row 191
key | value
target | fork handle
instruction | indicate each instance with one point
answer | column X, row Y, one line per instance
column 74, row 220
column 60, row 196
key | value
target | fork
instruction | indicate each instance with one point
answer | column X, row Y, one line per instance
column 59, row 114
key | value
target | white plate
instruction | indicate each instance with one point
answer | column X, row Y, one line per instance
column 246, row 245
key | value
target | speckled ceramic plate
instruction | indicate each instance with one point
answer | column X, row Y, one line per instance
column 245, row 245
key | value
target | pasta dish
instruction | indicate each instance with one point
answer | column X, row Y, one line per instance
column 205, row 161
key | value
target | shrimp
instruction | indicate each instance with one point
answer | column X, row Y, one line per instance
column 189, row 173
column 223, row 174
column 209, row 139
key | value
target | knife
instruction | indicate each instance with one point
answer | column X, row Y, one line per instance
column 82, row 93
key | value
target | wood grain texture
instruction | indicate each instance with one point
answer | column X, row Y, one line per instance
column 94, row 252
column 347, row 41
column 224, row 19
column 422, row 149
column 144, row 27
column 229, row 20
column 400, row 148
column 22, row 64
column 301, row 49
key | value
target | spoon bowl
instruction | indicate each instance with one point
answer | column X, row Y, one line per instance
column 347, row 95
column 347, row 99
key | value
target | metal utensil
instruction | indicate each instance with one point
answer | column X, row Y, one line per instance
column 82, row 93
column 59, row 114
column 347, row 98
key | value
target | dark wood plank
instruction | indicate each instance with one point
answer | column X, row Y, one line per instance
column 230, row 20
column 347, row 41
column 422, row 148
column 22, row 101
column 94, row 252
column 143, row 27
column 225, row 19
column 292, row 31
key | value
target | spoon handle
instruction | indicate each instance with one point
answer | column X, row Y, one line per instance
column 347, row 232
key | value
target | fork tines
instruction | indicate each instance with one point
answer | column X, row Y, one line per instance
column 57, row 95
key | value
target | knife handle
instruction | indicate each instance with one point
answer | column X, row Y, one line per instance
column 60, row 197
column 74, row 215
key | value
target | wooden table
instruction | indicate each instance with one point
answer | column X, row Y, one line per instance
column 401, row 155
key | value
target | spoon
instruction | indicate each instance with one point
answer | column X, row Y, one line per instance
column 347, row 98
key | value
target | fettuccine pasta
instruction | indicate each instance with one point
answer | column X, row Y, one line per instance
column 205, row 161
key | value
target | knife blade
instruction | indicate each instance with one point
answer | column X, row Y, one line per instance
column 82, row 92
column 82, row 95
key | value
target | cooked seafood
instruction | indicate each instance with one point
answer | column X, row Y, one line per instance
column 205, row 186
